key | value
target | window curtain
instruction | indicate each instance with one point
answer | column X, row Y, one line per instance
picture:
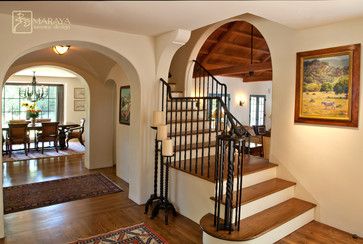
column 60, row 103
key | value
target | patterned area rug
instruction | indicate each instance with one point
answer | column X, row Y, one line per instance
column 35, row 195
column 137, row 234
column 74, row 148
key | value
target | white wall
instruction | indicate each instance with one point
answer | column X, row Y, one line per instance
column 240, row 90
column 328, row 159
column 69, row 84
column 123, row 157
column 325, row 161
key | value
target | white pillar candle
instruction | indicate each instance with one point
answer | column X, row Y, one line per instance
column 162, row 132
column 168, row 147
column 158, row 118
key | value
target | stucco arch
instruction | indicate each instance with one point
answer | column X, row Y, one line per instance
column 205, row 32
column 130, row 73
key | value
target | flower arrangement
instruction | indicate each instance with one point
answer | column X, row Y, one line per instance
column 31, row 110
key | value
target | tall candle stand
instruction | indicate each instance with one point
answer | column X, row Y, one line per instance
column 164, row 203
column 154, row 197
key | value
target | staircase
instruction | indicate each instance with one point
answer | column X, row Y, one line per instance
column 214, row 181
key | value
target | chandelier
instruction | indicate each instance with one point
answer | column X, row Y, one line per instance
column 32, row 92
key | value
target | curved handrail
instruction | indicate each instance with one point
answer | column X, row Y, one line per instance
column 210, row 74
column 225, row 86
column 232, row 119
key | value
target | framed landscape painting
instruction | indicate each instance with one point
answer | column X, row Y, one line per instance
column 125, row 104
column 327, row 86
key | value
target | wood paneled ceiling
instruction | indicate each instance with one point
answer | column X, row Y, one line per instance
column 227, row 52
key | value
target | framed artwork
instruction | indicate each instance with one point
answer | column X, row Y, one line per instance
column 125, row 104
column 79, row 93
column 79, row 105
column 327, row 86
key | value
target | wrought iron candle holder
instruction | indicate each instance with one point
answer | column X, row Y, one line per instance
column 164, row 204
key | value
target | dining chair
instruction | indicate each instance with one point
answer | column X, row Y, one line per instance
column 266, row 147
column 18, row 121
column 18, row 134
column 76, row 133
column 42, row 120
column 49, row 133
column 5, row 150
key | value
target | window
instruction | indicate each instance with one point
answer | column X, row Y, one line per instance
column 257, row 110
column 11, row 102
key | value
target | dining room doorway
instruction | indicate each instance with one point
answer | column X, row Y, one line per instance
column 64, row 96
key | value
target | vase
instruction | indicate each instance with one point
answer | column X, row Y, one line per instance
column 32, row 121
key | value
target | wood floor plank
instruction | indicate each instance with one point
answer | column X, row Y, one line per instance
column 62, row 223
column 315, row 232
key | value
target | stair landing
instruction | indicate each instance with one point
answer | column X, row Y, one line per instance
column 252, row 164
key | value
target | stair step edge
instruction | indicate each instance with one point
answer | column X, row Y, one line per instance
column 283, row 185
column 260, row 223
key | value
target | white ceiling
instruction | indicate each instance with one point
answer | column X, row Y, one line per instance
column 156, row 17
column 45, row 70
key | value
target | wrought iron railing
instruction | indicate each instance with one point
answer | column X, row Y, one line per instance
column 202, row 123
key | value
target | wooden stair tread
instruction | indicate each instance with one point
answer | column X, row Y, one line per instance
column 192, row 132
column 252, row 164
column 260, row 190
column 260, row 223
column 195, row 111
column 183, row 121
column 194, row 146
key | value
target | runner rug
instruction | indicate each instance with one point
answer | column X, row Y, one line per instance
column 137, row 234
column 35, row 195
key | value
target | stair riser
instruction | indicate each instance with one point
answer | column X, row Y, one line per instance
column 194, row 153
column 253, row 179
column 189, row 126
column 172, row 86
column 187, row 115
column 178, row 104
column 177, row 94
column 261, row 204
column 191, row 195
column 270, row 236
column 194, row 138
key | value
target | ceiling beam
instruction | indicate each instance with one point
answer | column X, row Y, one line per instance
column 229, row 56
column 268, row 57
column 246, row 47
column 257, row 77
column 242, row 69
column 248, row 35
column 223, row 38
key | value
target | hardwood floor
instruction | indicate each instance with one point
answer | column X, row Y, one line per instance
column 315, row 232
column 69, row 221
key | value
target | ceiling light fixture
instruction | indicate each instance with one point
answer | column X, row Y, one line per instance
column 60, row 50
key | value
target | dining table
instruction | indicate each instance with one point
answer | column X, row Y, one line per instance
column 62, row 128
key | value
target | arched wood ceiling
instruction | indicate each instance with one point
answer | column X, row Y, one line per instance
column 227, row 52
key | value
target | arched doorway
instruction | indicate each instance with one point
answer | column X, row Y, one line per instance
column 237, row 54
column 96, row 79
column 118, row 69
